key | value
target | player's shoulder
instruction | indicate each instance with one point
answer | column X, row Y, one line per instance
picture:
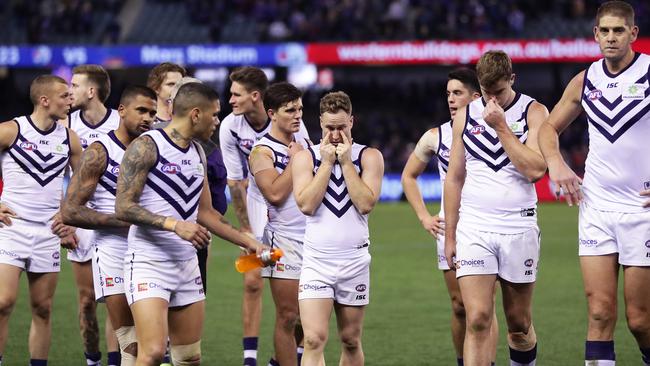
column 231, row 121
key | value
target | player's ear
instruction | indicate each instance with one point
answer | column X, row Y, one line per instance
column 270, row 112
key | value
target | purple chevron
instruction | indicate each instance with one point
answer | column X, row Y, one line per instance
column 42, row 182
column 161, row 192
column 174, row 186
column 623, row 128
column 107, row 186
column 612, row 121
column 47, row 157
column 493, row 154
column 34, row 163
column 495, row 167
column 334, row 210
column 187, row 181
column 589, row 86
column 338, row 197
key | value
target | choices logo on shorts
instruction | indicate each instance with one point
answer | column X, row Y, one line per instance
column 470, row 263
column 588, row 242
column 311, row 286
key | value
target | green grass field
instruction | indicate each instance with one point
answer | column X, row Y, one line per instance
column 408, row 316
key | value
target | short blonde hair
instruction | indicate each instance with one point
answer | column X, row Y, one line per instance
column 334, row 102
column 42, row 86
column 493, row 67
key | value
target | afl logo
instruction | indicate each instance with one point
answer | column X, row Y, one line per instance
column 528, row 262
column 115, row 170
column 171, row 168
column 647, row 244
column 360, row 288
column 83, row 141
column 594, row 94
column 445, row 153
column 246, row 143
column 26, row 145
column 477, row 130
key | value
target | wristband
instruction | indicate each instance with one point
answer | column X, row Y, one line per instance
column 170, row 224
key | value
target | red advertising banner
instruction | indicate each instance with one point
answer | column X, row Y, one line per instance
column 457, row 52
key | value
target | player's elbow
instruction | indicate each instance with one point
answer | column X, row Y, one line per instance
column 121, row 211
column 306, row 208
column 537, row 173
column 364, row 208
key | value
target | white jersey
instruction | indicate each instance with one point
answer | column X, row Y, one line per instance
column 173, row 188
column 618, row 115
column 496, row 197
column 89, row 133
column 285, row 219
column 103, row 200
column 32, row 170
column 336, row 229
column 237, row 137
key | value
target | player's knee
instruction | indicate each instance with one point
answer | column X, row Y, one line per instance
column 127, row 340
column 602, row 311
column 253, row 285
column 7, row 305
column 478, row 321
column 314, row 341
column 42, row 309
column 152, row 353
column 637, row 320
column 186, row 354
column 351, row 340
column 288, row 319
column 457, row 307
column 522, row 340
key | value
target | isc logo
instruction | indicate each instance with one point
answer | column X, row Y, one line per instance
column 29, row 146
column 171, row 168
column 477, row 130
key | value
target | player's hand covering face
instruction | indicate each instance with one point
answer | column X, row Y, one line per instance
column 327, row 150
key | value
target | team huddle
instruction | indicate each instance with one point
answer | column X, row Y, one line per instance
column 146, row 194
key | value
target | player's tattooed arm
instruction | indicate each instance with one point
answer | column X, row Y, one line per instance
column 238, row 194
column 82, row 187
column 139, row 157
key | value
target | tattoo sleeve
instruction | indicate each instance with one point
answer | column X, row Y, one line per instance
column 140, row 156
column 81, row 189
column 238, row 194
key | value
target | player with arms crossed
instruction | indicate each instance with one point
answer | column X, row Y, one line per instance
column 614, row 197
column 35, row 153
column 163, row 192
column 462, row 88
column 271, row 165
column 95, row 182
column 490, row 210
column 336, row 184
column 239, row 131
column 90, row 88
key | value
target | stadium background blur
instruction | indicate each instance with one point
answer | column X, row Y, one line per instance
column 397, row 94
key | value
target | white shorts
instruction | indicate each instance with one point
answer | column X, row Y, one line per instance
column 347, row 281
column 84, row 251
column 258, row 216
column 513, row 257
column 440, row 251
column 178, row 282
column 108, row 273
column 608, row 232
column 31, row 246
column 288, row 267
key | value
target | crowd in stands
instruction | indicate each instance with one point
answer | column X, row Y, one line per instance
column 373, row 20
